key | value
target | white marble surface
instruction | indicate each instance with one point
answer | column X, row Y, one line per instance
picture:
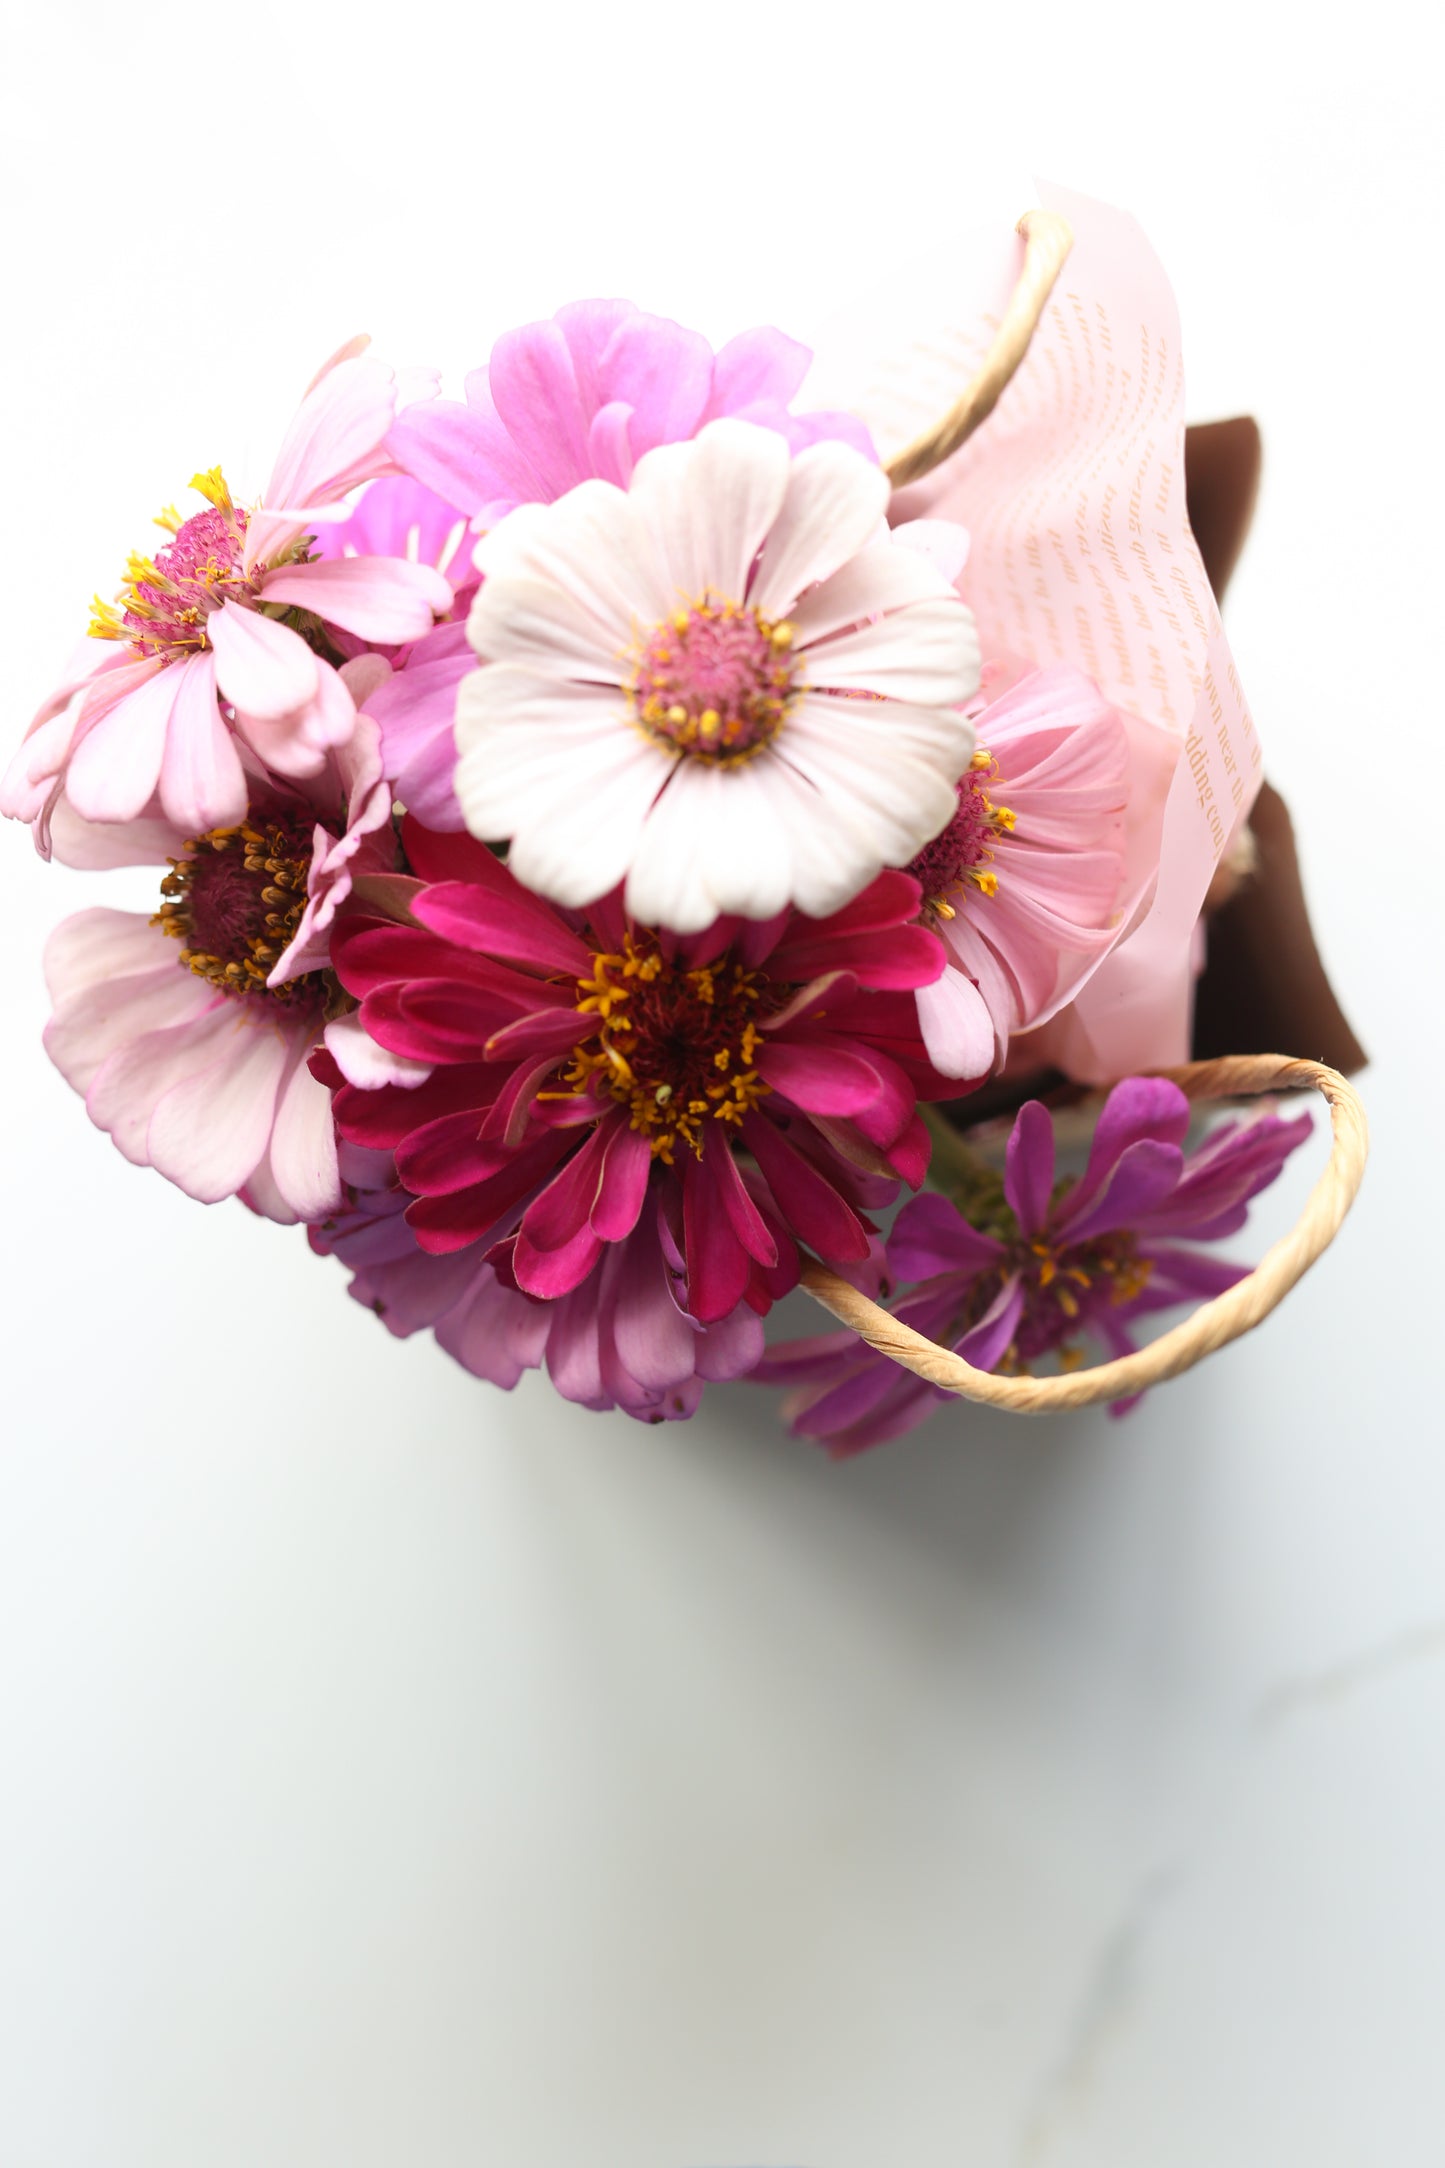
column 399, row 1773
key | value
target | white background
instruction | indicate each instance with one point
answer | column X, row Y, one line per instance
column 398, row 1775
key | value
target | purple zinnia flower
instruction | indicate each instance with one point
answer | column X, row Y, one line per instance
column 1029, row 1266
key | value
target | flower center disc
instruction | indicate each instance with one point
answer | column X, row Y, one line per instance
column 165, row 600
column 674, row 1046
column 234, row 902
column 962, row 855
column 715, row 682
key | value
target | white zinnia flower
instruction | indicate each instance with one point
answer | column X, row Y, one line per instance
column 729, row 685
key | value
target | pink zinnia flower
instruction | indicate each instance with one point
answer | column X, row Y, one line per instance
column 189, row 1032
column 1022, row 886
column 587, row 394
column 415, row 704
column 204, row 656
column 729, row 686
column 1030, row 1267
column 623, row 1339
column 588, row 1075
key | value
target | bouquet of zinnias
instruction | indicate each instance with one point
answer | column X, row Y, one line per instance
column 610, row 829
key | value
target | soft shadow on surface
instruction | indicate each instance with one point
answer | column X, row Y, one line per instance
column 1080, row 1537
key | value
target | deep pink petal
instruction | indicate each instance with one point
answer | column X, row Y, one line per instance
column 569, row 1198
column 506, row 922
column 809, row 1203
column 440, row 1157
column 553, row 1272
column 623, row 1187
column 718, row 1266
column 550, row 1031
column 821, row 1075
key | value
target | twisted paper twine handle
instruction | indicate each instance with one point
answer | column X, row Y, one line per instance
column 1047, row 241
column 1213, row 1325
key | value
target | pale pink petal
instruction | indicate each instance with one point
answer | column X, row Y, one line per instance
column 347, row 351
column 706, row 506
column 128, row 1085
column 830, row 844
column 716, row 842
column 540, row 757
column 90, row 1025
column 541, row 627
column 365, row 1064
column 303, row 1147
column 590, row 546
column 300, row 745
column 835, row 502
column 202, row 783
column 891, row 760
column 114, row 769
column 99, row 944
column 208, row 1131
column 99, row 846
column 941, row 541
column 580, row 851
column 957, row 1028
column 364, row 675
column 881, row 577
column 666, row 885
column 927, row 651
column 91, row 661
column 264, row 669
column 30, row 779
column 102, row 679
column 335, row 440
column 262, row 1195
column 378, row 598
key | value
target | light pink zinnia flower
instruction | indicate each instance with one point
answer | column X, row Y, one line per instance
column 729, row 686
column 1023, row 884
column 205, row 656
column 188, row 1033
column 587, row 394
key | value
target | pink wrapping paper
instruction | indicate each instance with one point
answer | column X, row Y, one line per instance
column 1073, row 494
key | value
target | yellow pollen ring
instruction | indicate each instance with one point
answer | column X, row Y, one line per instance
column 645, row 1011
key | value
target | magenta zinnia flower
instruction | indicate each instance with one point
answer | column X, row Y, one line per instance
column 622, row 1339
column 188, row 1032
column 1031, row 1267
column 1022, row 886
column 586, row 394
column 745, row 1089
column 205, row 655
